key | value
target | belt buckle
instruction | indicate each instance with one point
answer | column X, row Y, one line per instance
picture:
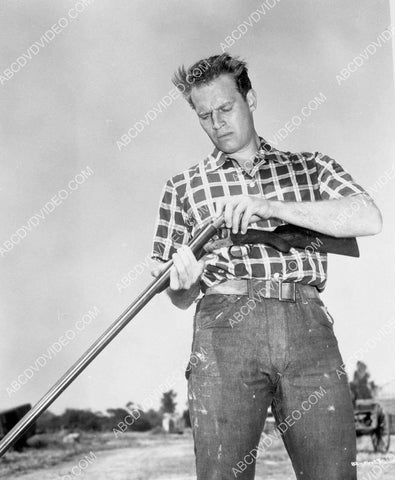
column 280, row 292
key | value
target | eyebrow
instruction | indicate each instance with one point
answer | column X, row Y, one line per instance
column 225, row 104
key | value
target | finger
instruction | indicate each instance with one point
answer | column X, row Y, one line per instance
column 195, row 267
column 189, row 255
column 191, row 266
column 246, row 219
column 187, row 258
column 237, row 213
column 179, row 266
column 219, row 207
column 174, row 282
column 237, row 216
column 228, row 214
column 184, row 269
column 155, row 273
column 157, row 268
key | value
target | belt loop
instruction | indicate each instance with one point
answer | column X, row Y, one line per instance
column 250, row 288
column 280, row 289
column 303, row 297
column 268, row 286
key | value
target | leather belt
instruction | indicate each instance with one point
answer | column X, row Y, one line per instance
column 283, row 291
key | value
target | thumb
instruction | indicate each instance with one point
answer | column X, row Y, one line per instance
column 158, row 268
column 155, row 273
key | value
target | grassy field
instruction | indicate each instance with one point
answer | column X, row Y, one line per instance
column 144, row 456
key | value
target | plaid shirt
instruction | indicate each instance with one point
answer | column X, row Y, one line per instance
column 187, row 205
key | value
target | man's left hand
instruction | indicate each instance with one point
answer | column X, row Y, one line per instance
column 241, row 210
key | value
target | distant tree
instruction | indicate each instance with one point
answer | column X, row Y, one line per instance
column 136, row 419
column 86, row 420
column 117, row 414
column 74, row 419
column 168, row 403
column 154, row 418
column 48, row 422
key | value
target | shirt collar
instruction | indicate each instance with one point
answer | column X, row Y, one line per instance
column 266, row 152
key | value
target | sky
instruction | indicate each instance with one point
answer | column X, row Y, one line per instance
column 65, row 111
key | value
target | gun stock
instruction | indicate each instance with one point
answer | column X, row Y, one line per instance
column 285, row 237
column 299, row 237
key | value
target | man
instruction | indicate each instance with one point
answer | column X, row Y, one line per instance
column 361, row 386
column 267, row 337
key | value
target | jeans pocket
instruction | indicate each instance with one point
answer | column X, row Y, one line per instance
column 213, row 311
column 321, row 314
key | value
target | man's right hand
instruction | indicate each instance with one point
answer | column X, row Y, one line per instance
column 184, row 276
column 186, row 270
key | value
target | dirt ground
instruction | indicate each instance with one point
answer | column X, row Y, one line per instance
column 170, row 457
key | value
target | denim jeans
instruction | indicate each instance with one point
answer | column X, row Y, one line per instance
column 256, row 352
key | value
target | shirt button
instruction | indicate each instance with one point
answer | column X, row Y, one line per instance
column 252, row 184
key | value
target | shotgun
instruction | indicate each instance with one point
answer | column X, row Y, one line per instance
column 156, row 286
column 283, row 238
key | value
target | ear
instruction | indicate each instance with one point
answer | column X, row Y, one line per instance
column 251, row 99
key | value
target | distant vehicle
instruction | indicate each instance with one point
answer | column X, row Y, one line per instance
column 10, row 417
column 370, row 419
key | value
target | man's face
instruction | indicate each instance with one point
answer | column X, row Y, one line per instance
column 224, row 114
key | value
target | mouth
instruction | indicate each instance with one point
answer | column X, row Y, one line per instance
column 224, row 135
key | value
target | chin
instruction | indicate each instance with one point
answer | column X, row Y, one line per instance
column 227, row 146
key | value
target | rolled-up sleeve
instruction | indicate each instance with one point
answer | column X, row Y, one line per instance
column 171, row 230
column 334, row 181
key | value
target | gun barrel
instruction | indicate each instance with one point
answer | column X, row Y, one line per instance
column 159, row 284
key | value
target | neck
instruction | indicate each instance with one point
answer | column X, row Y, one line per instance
column 246, row 155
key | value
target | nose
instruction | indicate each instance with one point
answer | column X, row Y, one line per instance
column 217, row 121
